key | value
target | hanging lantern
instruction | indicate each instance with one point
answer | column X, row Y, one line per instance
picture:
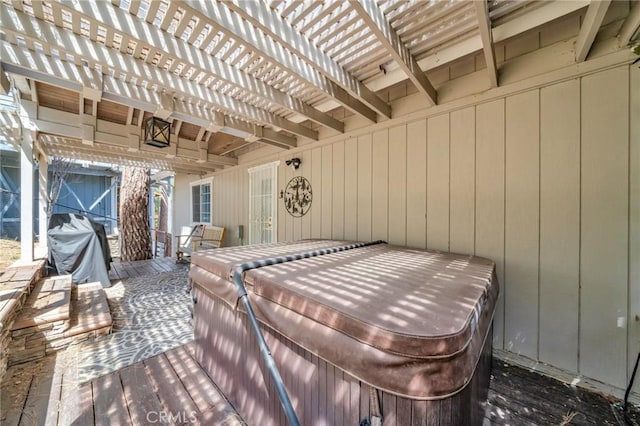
column 156, row 132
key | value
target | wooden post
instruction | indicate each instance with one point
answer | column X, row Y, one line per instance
column 43, row 199
column 26, row 197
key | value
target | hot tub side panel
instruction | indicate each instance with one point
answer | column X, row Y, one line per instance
column 321, row 393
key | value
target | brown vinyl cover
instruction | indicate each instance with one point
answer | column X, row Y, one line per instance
column 411, row 322
column 223, row 261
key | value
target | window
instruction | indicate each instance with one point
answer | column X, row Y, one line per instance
column 202, row 201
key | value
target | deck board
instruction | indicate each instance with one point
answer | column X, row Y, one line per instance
column 200, row 388
column 109, row 404
column 169, row 388
column 143, row 403
column 44, row 394
column 76, row 400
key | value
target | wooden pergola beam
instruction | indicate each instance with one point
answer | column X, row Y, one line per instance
column 484, row 24
column 590, row 26
column 378, row 24
column 630, row 25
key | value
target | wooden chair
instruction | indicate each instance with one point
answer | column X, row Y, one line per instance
column 213, row 237
column 184, row 241
column 198, row 237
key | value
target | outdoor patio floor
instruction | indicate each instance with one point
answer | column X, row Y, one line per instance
column 173, row 388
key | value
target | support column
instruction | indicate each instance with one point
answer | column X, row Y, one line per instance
column 43, row 200
column 26, row 197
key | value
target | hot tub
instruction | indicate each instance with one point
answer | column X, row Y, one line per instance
column 375, row 330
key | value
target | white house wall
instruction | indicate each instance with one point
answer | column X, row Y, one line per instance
column 545, row 182
column 181, row 202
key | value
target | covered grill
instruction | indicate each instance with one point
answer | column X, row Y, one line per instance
column 79, row 246
column 374, row 330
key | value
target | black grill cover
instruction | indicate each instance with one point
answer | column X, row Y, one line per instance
column 78, row 246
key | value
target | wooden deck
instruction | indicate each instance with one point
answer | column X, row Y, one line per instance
column 172, row 388
column 120, row 270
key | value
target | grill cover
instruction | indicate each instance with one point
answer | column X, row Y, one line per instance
column 78, row 246
column 410, row 322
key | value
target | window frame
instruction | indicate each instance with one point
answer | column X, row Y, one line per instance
column 200, row 183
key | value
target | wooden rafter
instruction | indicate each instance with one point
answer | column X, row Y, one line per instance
column 484, row 24
column 378, row 25
column 630, row 25
column 590, row 26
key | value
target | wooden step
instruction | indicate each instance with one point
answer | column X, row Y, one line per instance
column 88, row 317
column 48, row 303
column 90, row 310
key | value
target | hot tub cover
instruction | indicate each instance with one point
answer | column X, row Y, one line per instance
column 412, row 322
column 78, row 246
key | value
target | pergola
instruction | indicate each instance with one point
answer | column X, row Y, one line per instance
column 238, row 73
column 235, row 75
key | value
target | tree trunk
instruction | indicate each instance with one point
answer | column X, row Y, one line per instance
column 135, row 236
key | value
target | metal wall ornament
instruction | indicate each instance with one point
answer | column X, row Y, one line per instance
column 298, row 196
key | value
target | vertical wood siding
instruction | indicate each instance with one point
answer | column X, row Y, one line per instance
column 544, row 182
column 634, row 223
column 559, row 222
column 604, row 225
column 522, row 194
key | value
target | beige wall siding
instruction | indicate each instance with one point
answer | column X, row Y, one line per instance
column 417, row 184
column 316, row 205
column 604, row 225
column 365, row 184
column 522, row 167
column 559, row 223
column 380, row 186
column 462, row 187
column 634, row 223
column 338, row 193
column 307, row 171
column 351, row 189
column 398, row 181
column 181, row 202
column 438, row 182
column 326, row 189
column 490, row 208
column 544, row 182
